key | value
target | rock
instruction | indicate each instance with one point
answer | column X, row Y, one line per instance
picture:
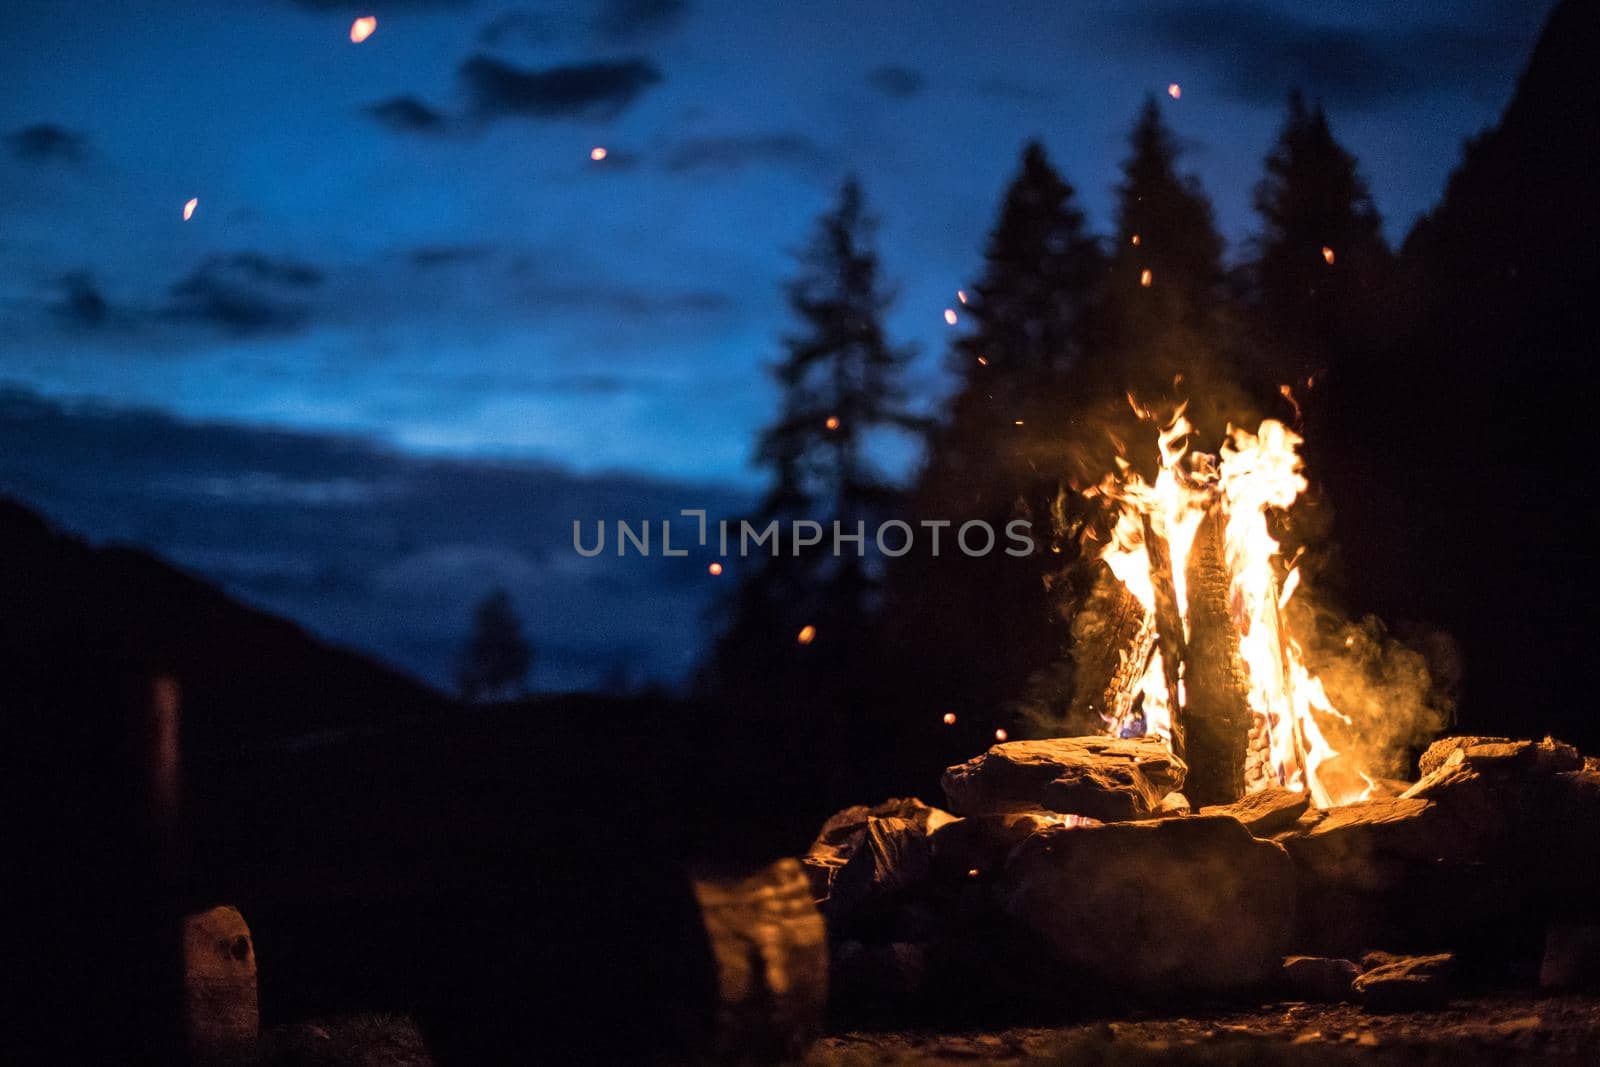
column 1171, row 905
column 1407, row 983
column 843, row 833
column 872, row 980
column 1319, row 979
column 978, row 845
column 220, row 1012
column 771, row 954
column 1541, row 757
column 1098, row 777
column 1358, row 846
column 1266, row 811
column 1174, row 804
column 1571, row 957
column 891, row 862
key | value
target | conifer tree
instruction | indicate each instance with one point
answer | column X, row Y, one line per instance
column 998, row 456
column 497, row 657
column 839, row 386
column 1320, row 259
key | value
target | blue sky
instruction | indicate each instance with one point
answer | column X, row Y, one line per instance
column 452, row 273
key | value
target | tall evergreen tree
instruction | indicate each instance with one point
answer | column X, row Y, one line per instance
column 1165, row 324
column 796, row 641
column 1320, row 260
column 997, row 456
column 497, row 657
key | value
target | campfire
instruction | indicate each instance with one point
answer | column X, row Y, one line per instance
column 1200, row 654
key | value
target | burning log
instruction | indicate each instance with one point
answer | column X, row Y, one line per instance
column 1217, row 710
column 1169, row 632
column 1112, row 639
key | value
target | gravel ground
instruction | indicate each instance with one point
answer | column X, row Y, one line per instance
column 1488, row 1030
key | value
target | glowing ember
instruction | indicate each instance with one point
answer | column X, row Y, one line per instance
column 972, row 872
column 362, row 28
column 807, row 634
column 950, row 316
column 1019, row 422
column 188, row 209
column 714, row 570
column 1327, row 255
column 832, row 423
column 1174, row 90
column 1000, row 735
column 1252, row 474
column 949, row 718
column 1145, row 278
column 597, row 153
column 982, row 362
column 1134, row 239
column 961, row 295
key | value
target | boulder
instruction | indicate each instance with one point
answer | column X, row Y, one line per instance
column 1103, row 778
column 1543, row 757
column 1406, row 983
column 1319, row 979
column 1571, row 957
column 872, row 980
column 1182, row 904
column 1266, row 811
column 890, row 864
column 843, row 833
column 977, row 846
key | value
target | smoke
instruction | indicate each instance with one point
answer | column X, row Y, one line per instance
column 1399, row 694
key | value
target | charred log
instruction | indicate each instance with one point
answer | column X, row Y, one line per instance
column 1112, row 639
column 1217, row 712
column 1169, row 633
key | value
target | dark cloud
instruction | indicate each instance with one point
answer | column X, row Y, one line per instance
column 46, row 142
column 583, row 90
column 82, row 302
column 898, row 82
column 408, row 114
column 733, row 152
column 635, row 20
column 245, row 292
column 1261, row 53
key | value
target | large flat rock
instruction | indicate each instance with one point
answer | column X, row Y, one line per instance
column 1103, row 778
column 1183, row 904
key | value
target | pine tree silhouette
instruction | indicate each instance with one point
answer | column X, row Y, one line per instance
column 840, row 384
column 497, row 658
column 1320, row 262
column 999, row 456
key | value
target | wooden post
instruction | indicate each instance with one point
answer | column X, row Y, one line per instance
column 1217, row 715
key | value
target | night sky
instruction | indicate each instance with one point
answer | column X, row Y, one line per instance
column 407, row 239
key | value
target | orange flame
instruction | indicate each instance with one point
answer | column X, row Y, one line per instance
column 1252, row 474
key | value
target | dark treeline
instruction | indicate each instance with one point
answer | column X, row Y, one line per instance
column 1433, row 385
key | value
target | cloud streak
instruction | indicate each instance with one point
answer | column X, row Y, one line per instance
column 45, row 143
column 601, row 89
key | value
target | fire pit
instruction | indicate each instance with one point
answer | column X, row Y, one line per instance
column 1222, row 827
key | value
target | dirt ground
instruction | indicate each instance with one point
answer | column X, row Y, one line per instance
column 1489, row 1030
